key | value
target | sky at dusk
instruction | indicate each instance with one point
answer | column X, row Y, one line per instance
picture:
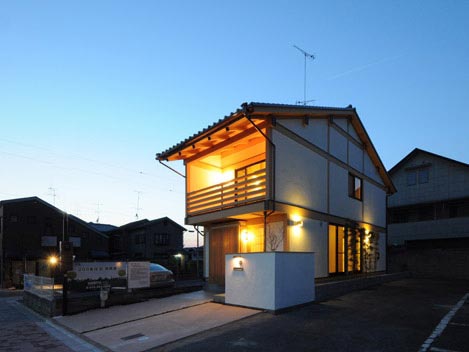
column 90, row 91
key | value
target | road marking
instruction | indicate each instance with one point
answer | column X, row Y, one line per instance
column 459, row 324
column 436, row 349
column 442, row 325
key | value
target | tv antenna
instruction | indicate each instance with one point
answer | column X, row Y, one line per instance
column 98, row 211
column 138, row 204
column 307, row 56
column 52, row 193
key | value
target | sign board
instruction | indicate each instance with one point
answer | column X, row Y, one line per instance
column 138, row 274
column 49, row 241
column 89, row 276
column 99, row 270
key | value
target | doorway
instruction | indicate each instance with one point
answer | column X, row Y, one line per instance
column 222, row 240
column 345, row 248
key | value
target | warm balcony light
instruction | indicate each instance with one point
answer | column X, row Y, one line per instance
column 217, row 177
column 245, row 236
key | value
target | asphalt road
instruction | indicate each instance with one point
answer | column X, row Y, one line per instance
column 405, row 315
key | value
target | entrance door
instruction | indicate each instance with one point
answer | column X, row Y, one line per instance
column 336, row 249
column 222, row 240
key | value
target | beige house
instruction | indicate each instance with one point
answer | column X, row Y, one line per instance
column 273, row 177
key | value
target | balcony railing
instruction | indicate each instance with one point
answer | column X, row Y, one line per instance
column 233, row 193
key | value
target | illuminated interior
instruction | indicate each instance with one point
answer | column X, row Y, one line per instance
column 230, row 176
column 251, row 239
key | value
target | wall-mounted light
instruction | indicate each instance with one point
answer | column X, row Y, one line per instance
column 179, row 255
column 298, row 223
column 238, row 263
column 245, row 235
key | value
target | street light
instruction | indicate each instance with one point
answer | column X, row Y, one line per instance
column 53, row 261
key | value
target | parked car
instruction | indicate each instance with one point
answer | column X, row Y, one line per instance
column 160, row 276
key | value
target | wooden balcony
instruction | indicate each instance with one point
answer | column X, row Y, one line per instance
column 233, row 193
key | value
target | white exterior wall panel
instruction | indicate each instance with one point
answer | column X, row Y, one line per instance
column 311, row 237
column 340, row 203
column 315, row 131
column 374, row 201
column 300, row 175
column 338, row 145
column 355, row 156
column 370, row 170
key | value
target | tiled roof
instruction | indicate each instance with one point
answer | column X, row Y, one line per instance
column 245, row 107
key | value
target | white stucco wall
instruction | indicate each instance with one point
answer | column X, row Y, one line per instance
column 340, row 203
column 272, row 280
column 301, row 174
column 370, row 170
column 338, row 145
column 311, row 237
column 355, row 156
column 374, row 201
column 315, row 131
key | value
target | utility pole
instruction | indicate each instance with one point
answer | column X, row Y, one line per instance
column 309, row 56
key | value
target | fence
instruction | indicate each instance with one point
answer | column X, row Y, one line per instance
column 39, row 285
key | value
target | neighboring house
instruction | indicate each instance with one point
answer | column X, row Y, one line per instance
column 272, row 177
column 31, row 231
column 157, row 240
column 432, row 202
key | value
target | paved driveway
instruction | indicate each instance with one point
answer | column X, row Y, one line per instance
column 405, row 315
column 140, row 326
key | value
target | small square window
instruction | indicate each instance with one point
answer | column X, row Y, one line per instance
column 355, row 187
column 411, row 178
column 424, row 175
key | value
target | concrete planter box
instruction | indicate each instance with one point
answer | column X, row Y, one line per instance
column 269, row 280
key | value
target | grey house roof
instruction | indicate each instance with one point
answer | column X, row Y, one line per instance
column 418, row 151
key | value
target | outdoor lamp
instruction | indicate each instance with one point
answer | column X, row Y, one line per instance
column 238, row 263
column 53, row 260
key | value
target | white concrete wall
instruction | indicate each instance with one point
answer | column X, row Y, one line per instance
column 272, row 280
column 340, row 203
column 311, row 237
column 301, row 174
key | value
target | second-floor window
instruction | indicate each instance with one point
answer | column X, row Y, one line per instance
column 355, row 187
column 419, row 175
column 161, row 239
column 139, row 238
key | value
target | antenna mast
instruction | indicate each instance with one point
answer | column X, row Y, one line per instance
column 310, row 56
column 138, row 203
column 52, row 190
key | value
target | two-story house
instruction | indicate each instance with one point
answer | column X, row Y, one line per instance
column 273, row 177
column 31, row 231
column 432, row 202
column 157, row 240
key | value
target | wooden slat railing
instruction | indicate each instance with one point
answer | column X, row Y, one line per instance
column 240, row 191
